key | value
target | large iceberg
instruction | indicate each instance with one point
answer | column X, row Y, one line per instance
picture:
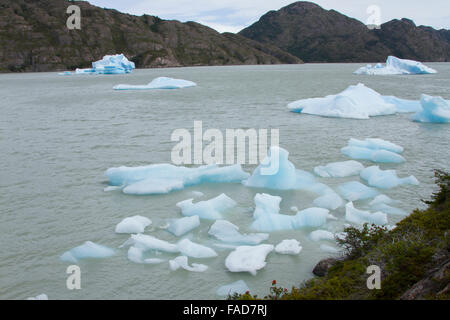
column 239, row 287
column 109, row 64
column 135, row 224
column 395, row 66
column 248, row 258
column 355, row 102
column 210, row 209
column 178, row 227
column 267, row 217
column 227, row 232
column 158, row 83
column 360, row 217
column 87, row 250
column 291, row 246
column 164, row 178
column 375, row 150
column 434, row 109
column 339, row 169
column 385, row 179
column 354, row 190
column 182, row 262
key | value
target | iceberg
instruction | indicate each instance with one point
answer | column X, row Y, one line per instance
column 165, row 178
column 330, row 201
column 248, row 258
column 403, row 105
column 147, row 242
column 239, row 287
column 355, row 102
column 179, row 227
column 380, row 156
column 288, row 247
column 375, row 144
column 354, row 190
column 395, row 66
column 434, row 110
column 339, row 169
column 227, row 232
column 136, row 224
column 158, row 83
column 135, row 255
column 182, row 262
column 210, row 209
column 87, row 250
column 385, row 179
column 267, row 217
column 113, row 64
column 360, row 217
column 319, row 235
column 382, row 203
column 195, row 250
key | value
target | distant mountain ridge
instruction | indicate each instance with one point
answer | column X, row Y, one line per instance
column 34, row 37
column 314, row 34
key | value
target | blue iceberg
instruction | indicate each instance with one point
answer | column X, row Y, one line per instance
column 375, row 150
column 385, row 179
column 210, row 209
column 87, row 250
column 434, row 109
column 360, row 217
column 395, row 66
column 354, row 190
column 227, row 232
column 158, row 83
column 109, row 64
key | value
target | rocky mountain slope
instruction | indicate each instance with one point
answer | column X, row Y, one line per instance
column 34, row 37
column 314, row 34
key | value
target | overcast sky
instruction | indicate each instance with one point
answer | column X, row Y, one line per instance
column 234, row 15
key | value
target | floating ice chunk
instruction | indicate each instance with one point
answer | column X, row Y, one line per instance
column 319, row 235
column 395, row 66
column 355, row 102
column 267, row 217
column 360, row 217
column 248, row 258
column 42, row 296
column 375, row 144
column 275, row 172
column 113, row 64
column 294, row 209
column 239, row 287
column 385, row 179
column 164, row 178
column 195, row 250
column 330, row 201
column 87, row 250
column 354, row 190
column 135, row 254
column 288, row 247
column 158, row 83
column 403, row 105
column 328, row 249
column 182, row 262
column 227, row 232
column 435, row 109
column 383, row 207
column 85, row 71
column 382, row 199
column 153, row 261
column 136, row 224
column 381, row 156
column 339, row 169
column 210, row 209
column 178, row 227
column 147, row 242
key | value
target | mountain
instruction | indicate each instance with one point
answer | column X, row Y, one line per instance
column 34, row 37
column 314, row 34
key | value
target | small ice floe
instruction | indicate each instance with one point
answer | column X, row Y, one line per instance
column 354, row 190
column 179, row 227
column 339, row 169
column 239, row 287
column 434, row 110
column 319, row 235
column 385, row 179
column 291, row 246
column 382, row 203
column 360, row 217
column 135, row 224
column 375, row 150
column 209, row 209
column 195, row 250
column 165, row 178
column 182, row 262
column 396, row 66
column 87, row 250
column 227, row 232
column 158, row 83
column 248, row 258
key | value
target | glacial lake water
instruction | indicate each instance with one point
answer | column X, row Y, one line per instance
column 58, row 135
